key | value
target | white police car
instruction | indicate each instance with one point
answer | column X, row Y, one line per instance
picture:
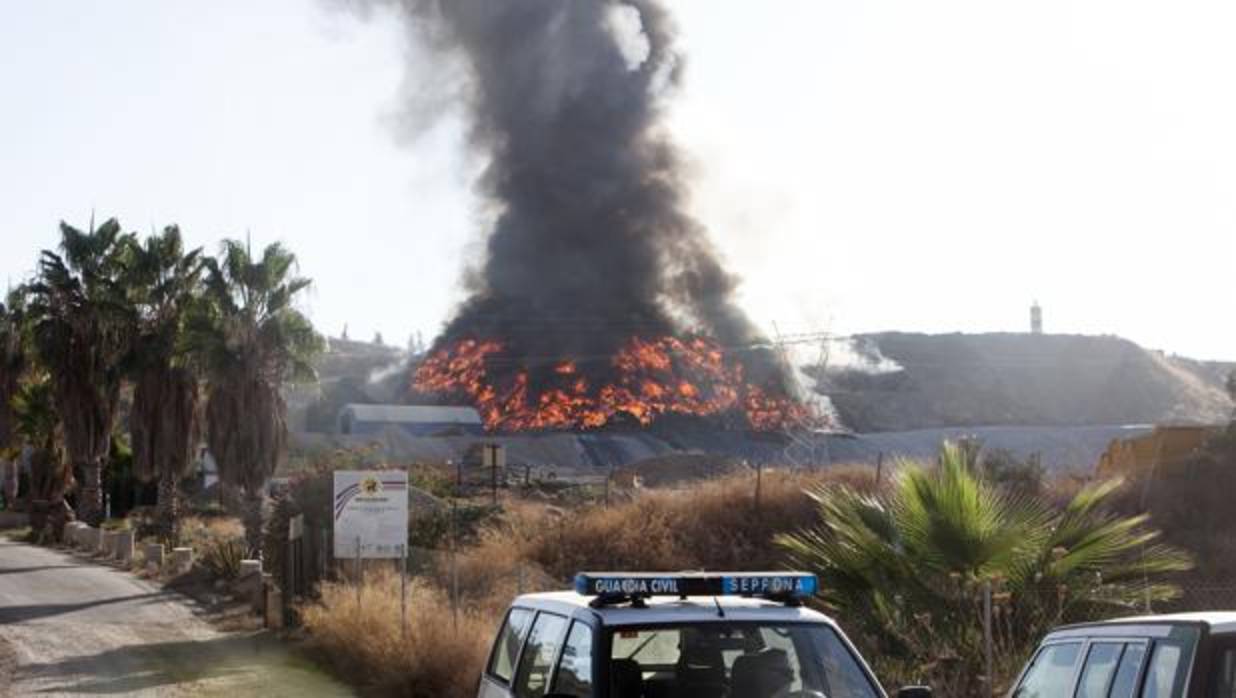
column 724, row 635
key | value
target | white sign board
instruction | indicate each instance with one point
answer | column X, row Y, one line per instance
column 371, row 510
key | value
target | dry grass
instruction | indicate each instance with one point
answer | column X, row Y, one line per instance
column 195, row 529
column 714, row 525
column 436, row 659
column 709, row 525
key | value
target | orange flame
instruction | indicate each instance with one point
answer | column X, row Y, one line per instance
column 649, row 378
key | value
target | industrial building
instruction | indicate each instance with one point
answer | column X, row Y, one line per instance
column 415, row 420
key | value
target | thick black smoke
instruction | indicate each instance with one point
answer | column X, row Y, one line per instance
column 591, row 244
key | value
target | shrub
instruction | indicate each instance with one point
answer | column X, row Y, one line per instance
column 434, row 528
column 909, row 568
column 214, row 541
column 437, row 658
column 222, row 556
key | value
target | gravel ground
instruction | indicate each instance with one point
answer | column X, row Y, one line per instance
column 77, row 628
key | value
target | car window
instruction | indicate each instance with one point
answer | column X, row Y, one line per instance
column 1223, row 673
column 741, row 660
column 842, row 677
column 1125, row 683
column 574, row 675
column 537, row 660
column 1100, row 665
column 649, row 647
column 1165, row 674
column 1050, row 674
column 510, row 638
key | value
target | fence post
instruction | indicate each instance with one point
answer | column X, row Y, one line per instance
column 879, row 467
column 454, row 565
column 289, row 575
column 403, row 592
column 323, row 552
column 759, row 478
column 360, row 574
column 987, row 641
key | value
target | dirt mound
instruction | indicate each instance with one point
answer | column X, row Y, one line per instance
column 930, row 381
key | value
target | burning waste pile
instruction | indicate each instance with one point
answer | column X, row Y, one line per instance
column 598, row 300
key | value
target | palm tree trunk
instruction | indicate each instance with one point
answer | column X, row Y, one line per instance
column 168, row 511
column 251, row 514
column 90, row 497
column 8, row 476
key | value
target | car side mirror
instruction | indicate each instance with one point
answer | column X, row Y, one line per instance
column 914, row 692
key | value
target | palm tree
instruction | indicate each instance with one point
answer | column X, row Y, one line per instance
column 163, row 281
column 81, row 329
column 13, row 362
column 249, row 339
column 38, row 425
column 910, row 566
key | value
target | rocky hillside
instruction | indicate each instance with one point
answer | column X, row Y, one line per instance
column 930, row 381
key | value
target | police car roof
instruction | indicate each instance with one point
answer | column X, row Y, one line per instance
column 693, row 609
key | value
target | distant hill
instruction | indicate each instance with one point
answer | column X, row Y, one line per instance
column 923, row 381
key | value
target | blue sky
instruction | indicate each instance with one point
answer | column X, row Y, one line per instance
column 863, row 166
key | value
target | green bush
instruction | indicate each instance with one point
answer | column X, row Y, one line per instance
column 909, row 567
column 222, row 556
column 433, row 529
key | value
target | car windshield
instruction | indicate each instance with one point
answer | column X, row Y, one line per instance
column 740, row 660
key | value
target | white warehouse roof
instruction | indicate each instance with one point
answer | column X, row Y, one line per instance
column 412, row 414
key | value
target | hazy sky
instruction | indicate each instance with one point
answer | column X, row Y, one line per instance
column 927, row 166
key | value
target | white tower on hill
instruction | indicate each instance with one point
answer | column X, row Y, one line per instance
column 1036, row 319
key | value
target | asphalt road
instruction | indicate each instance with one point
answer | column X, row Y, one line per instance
column 76, row 628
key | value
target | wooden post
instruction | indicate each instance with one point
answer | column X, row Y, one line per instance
column 879, row 467
column 987, row 641
column 454, row 565
column 323, row 553
column 759, row 478
column 403, row 592
column 289, row 577
column 359, row 573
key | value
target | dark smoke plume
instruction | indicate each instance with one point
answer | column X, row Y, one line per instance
column 591, row 243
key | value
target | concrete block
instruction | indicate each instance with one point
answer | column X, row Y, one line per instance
column 274, row 607
column 73, row 533
column 124, row 546
column 108, row 546
column 249, row 583
column 182, row 560
column 89, row 540
column 154, row 556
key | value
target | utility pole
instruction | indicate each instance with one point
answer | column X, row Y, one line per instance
column 759, row 477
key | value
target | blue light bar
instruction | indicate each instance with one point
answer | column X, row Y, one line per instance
column 788, row 585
